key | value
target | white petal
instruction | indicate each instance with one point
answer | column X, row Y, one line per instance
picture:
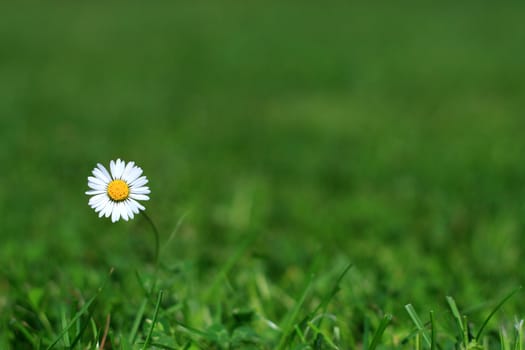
column 105, row 172
column 102, row 204
column 96, row 184
column 135, row 206
column 98, row 178
column 140, row 190
column 99, row 206
column 116, row 168
column 92, row 192
column 115, row 215
column 127, row 171
column 112, row 168
column 97, row 171
column 139, row 197
column 119, row 169
column 139, row 206
column 133, row 174
column 94, row 207
column 128, row 208
column 123, row 210
column 96, row 199
column 141, row 181
column 109, row 209
column 96, row 187
column 99, row 198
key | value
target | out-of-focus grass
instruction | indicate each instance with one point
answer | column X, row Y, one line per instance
column 388, row 135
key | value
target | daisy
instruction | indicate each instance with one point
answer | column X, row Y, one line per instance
column 116, row 194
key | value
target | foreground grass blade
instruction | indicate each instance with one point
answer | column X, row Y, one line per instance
column 63, row 320
column 80, row 312
column 155, row 314
column 324, row 302
column 20, row 327
column 518, row 342
column 193, row 331
column 72, row 322
column 322, row 335
column 417, row 321
column 82, row 328
column 432, row 331
column 288, row 327
column 461, row 322
column 333, row 292
column 503, row 340
column 327, row 298
column 379, row 332
column 163, row 346
column 500, row 304
column 455, row 312
column 138, row 319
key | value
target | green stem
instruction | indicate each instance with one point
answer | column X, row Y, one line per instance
column 157, row 242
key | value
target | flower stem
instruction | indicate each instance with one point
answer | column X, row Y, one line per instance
column 157, row 241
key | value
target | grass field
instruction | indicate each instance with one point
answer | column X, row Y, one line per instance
column 284, row 141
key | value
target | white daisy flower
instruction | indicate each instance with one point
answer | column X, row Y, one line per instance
column 116, row 194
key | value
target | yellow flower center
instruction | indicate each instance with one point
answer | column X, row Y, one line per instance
column 118, row 190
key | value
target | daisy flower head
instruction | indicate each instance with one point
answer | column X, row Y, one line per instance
column 117, row 192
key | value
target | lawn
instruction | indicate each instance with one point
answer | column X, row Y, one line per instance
column 314, row 168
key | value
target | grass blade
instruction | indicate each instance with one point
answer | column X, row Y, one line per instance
column 155, row 314
column 500, row 304
column 379, row 332
column 289, row 324
column 461, row 322
column 82, row 328
column 138, row 319
column 455, row 312
column 326, row 299
column 417, row 321
column 518, row 342
column 22, row 329
column 63, row 320
column 432, row 331
column 193, row 331
column 162, row 346
column 333, row 291
column 72, row 322
column 323, row 336
column 80, row 312
column 503, row 339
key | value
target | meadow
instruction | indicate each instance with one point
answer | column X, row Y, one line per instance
column 347, row 175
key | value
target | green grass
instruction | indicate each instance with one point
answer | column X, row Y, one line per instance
column 284, row 142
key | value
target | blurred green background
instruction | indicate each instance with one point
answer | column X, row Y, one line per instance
column 388, row 134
